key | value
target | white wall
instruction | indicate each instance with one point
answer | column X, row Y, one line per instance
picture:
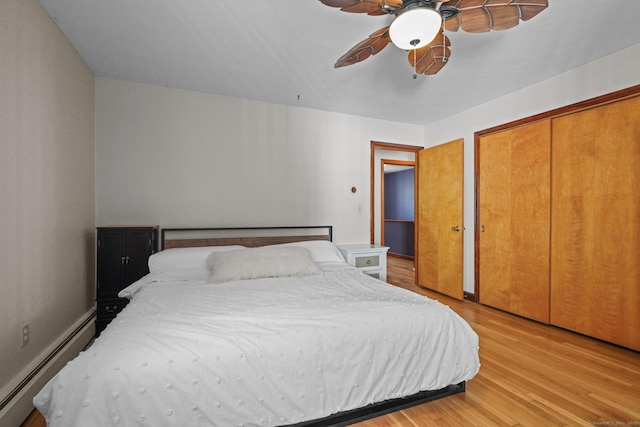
column 615, row 72
column 47, row 208
column 180, row 158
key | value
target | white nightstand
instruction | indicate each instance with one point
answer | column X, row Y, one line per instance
column 371, row 259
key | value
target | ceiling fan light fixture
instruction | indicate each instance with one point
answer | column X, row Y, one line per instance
column 415, row 28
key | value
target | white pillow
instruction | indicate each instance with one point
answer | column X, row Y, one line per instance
column 321, row 250
column 256, row 263
column 178, row 258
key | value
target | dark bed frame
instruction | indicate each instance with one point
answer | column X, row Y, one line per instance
column 378, row 409
column 261, row 236
column 245, row 236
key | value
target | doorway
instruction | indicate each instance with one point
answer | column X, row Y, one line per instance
column 388, row 152
column 398, row 207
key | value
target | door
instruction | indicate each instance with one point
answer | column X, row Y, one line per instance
column 122, row 258
column 595, row 243
column 111, row 263
column 139, row 248
column 439, row 222
column 513, row 220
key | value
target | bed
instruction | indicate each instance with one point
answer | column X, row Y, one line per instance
column 261, row 330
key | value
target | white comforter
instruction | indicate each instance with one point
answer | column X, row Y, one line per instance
column 259, row 352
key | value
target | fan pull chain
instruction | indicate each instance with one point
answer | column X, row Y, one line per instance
column 444, row 44
column 415, row 62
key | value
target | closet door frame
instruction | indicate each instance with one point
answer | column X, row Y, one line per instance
column 612, row 97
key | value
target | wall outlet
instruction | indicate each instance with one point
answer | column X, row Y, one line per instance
column 25, row 335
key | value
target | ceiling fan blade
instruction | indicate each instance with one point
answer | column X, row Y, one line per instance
column 479, row 16
column 504, row 17
column 433, row 57
column 370, row 46
column 532, row 8
column 370, row 7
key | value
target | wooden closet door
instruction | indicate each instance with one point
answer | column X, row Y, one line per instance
column 595, row 245
column 513, row 238
column 440, row 231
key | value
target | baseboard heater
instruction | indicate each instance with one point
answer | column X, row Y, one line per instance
column 8, row 400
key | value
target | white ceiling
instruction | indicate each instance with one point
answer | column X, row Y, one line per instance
column 283, row 51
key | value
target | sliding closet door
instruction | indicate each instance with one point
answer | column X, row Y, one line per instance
column 595, row 267
column 513, row 238
column 439, row 248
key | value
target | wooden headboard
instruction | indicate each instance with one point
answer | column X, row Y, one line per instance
column 245, row 236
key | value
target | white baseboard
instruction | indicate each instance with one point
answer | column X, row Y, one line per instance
column 75, row 339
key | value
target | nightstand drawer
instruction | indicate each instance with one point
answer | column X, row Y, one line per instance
column 367, row 261
column 108, row 308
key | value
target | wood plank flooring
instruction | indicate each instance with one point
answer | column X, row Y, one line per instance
column 34, row 420
column 531, row 375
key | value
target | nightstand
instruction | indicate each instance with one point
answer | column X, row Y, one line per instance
column 371, row 259
column 122, row 258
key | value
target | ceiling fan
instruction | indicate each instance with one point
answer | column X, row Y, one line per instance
column 419, row 26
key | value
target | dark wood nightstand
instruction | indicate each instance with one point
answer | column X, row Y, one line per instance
column 122, row 258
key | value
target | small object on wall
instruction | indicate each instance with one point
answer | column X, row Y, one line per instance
column 354, row 189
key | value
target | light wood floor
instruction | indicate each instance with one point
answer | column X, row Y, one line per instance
column 531, row 375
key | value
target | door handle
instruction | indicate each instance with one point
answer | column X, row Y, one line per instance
column 456, row 228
